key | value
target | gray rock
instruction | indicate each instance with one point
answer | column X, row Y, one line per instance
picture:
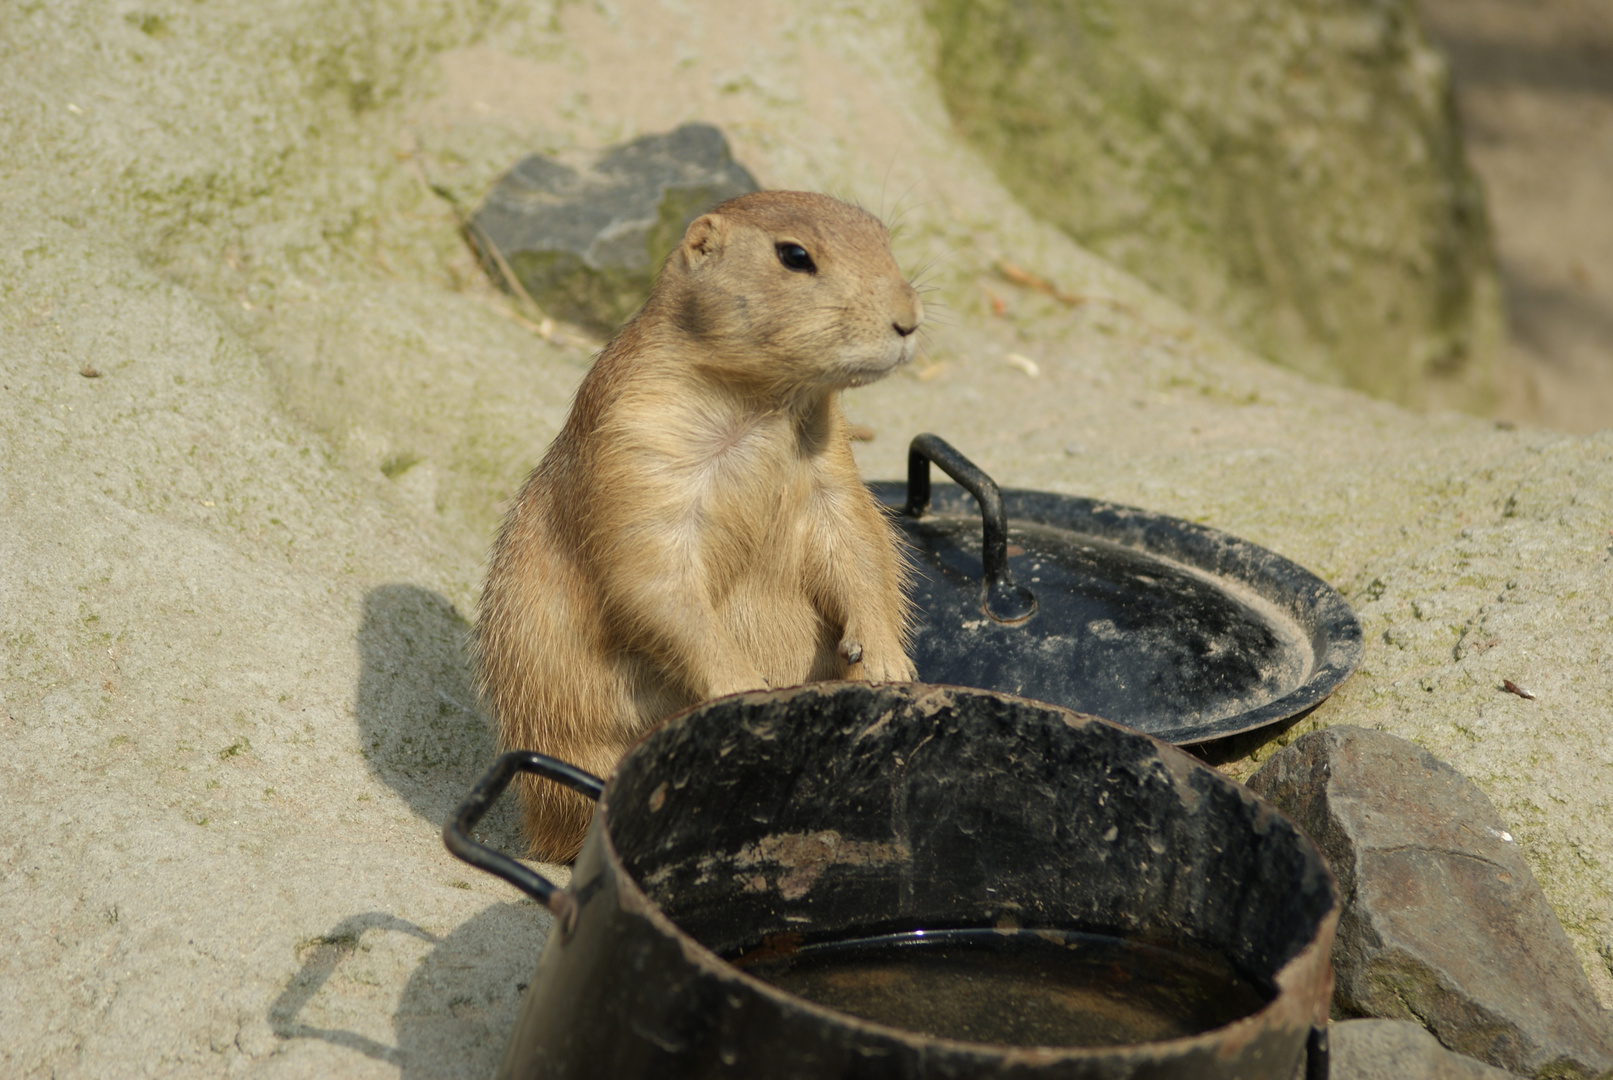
column 587, row 245
column 1398, row 1050
column 1443, row 922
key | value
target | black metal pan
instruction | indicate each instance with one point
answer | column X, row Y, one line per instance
column 1178, row 630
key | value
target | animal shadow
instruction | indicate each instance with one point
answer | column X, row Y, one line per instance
column 424, row 734
column 458, row 1008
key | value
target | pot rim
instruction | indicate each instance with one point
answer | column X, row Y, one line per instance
column 1311, row 966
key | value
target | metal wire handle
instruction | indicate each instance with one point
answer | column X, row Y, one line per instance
column 1000, row 598
column 456, row 834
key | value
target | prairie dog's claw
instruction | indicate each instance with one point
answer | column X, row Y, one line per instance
column 851, row 651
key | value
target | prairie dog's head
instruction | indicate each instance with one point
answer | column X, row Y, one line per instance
column 792, row 290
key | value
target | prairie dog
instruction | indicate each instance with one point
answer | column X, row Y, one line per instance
column 698, row 527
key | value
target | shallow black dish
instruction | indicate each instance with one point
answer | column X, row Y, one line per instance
column 1175, row 629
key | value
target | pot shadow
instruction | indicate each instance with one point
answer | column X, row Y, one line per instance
column 460, row 1003
column 422, row 730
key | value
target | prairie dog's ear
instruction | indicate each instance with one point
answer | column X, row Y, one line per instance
column 703, row 239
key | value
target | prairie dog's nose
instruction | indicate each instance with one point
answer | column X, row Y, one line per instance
column 906, row 323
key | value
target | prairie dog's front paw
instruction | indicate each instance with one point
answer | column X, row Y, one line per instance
column 891, row 667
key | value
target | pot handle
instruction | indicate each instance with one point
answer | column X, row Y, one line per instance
column 456, row 834
column 1317, row 1054
column 1001, row 598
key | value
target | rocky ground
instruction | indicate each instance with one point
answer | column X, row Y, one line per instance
column 261, row 411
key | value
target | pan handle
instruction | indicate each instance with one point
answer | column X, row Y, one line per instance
column 1001, row 598
column 1317, row 1055
column 456, row 834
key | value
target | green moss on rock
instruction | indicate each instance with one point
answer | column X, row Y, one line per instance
column 1290, row 169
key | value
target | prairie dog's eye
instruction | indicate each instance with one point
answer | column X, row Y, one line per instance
column 795, row 257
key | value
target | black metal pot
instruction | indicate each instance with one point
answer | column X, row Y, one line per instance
column 755, row 824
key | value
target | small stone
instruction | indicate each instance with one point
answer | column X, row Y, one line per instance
column 586, row 245
column 1398, row 1050
column 1442, row 921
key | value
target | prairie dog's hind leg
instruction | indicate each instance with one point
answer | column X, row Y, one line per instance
column 555, row 818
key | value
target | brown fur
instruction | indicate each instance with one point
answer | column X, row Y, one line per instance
column 698, row 527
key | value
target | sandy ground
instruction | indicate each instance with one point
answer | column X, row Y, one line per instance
column 259, row 416
column 1534, row 88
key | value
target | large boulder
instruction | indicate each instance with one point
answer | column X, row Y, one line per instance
column 1291, row 171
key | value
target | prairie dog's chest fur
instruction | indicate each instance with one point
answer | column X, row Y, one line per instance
column 751, row 502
